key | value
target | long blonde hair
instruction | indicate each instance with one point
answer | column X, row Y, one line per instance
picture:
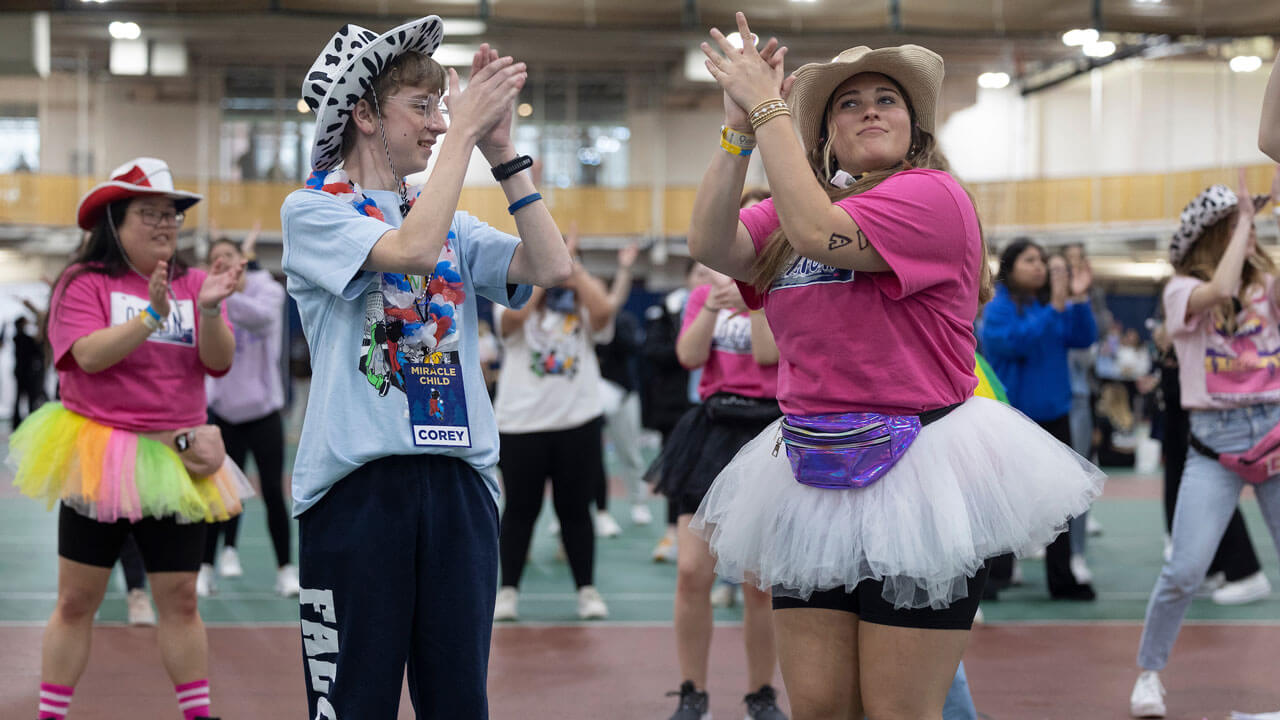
column 1202, row 259
column 778, row 253
column 1113, row 403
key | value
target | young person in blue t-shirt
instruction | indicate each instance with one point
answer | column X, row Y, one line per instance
column 394, row 484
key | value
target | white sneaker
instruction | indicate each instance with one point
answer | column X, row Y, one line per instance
column 229, row 563
column 665, row 550
column 1080, row 570
column 590, row 605
column 287, row 581
column 1147, row 698
column 505, row 606
column 1211, row 584
column 205, row 585
column 606, row 526
column 1241, row 592
column 140, row 610
column 640, row 514
column 1092, row 527
column 723, row 595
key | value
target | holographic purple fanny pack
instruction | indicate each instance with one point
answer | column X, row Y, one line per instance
column 851, row 450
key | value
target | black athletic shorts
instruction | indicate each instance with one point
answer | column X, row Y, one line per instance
column 866, row 602
column 166, row 545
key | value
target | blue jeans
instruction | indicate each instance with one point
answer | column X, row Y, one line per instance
column 1206, row 499
column 959, row 702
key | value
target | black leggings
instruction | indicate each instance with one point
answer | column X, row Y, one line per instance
column 263, row 437
column 574, row 460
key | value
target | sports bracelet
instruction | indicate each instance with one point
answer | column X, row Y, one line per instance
column 154, row 315
column 511, row 167
column 531, row 197
column 151, row 323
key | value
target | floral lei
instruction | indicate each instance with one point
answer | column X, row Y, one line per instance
column 419, row 315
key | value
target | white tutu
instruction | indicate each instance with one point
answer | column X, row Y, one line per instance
column 982, row 481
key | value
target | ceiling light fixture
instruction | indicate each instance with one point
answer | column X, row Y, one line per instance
column 1100, row 49
column 124, row 30
column 993, row 80
column 1245, row 63
column 1079, row 38
column 524, row 110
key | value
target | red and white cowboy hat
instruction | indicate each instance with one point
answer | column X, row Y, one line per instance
column 140, row 177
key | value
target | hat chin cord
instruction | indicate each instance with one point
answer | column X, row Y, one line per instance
column 382, row 132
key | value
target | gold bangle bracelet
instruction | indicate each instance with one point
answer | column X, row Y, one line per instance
column 757, row 123
column 770, row 101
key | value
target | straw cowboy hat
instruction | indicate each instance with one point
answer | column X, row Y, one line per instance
column 344, row 72
column 140, row 177
column 918, row 70
column 1213, row 204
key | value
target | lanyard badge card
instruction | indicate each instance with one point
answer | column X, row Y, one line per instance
column 437, row 401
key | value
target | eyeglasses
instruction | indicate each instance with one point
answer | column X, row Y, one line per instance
column 432, row 104
column 156, row 218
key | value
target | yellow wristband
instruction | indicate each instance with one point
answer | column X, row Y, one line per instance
column 734, row 149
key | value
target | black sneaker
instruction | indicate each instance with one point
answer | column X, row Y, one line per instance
column 763, row 704
column 693, row 704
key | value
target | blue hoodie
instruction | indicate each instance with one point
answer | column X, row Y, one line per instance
column 1027, row 348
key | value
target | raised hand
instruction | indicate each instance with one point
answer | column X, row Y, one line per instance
column 627, row 255
column 222, row 280
column 485, row 104
column 158, row 289
column 745, row 75
column 1081, row 279
column 735, row 117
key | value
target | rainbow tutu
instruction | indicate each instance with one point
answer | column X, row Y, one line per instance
column 109, row 474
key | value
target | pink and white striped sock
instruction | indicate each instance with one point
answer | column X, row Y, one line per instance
column 54, row 701
column 193, row 699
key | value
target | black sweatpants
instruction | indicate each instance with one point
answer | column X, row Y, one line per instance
column 574, row 460
column 264, row 438
column 398, row 563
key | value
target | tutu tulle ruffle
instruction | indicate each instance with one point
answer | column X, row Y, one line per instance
column 109, row 474
column 980, row 482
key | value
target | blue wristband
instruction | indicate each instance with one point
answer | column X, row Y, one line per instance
column 154, row 315
column 531, row 197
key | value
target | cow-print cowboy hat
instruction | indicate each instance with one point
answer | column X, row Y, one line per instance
column 344, row 72
column 1210, row 206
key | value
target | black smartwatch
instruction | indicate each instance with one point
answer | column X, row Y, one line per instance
column 511, row 167
column 183, row 440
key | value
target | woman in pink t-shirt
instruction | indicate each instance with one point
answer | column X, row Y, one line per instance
column 873, row 527
column 126, row 452
column 734, row 348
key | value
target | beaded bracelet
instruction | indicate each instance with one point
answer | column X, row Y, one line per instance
column 758, row 120
column 763, row 108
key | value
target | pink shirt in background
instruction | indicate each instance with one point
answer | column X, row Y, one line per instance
column 158, row 386
column 1218, row 369
column 897, row 342
column 730, row 367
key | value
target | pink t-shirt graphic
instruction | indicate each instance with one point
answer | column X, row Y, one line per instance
column 1218, row 368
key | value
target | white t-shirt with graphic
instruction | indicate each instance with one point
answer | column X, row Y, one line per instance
column 550, row 376
column 1218, row 369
